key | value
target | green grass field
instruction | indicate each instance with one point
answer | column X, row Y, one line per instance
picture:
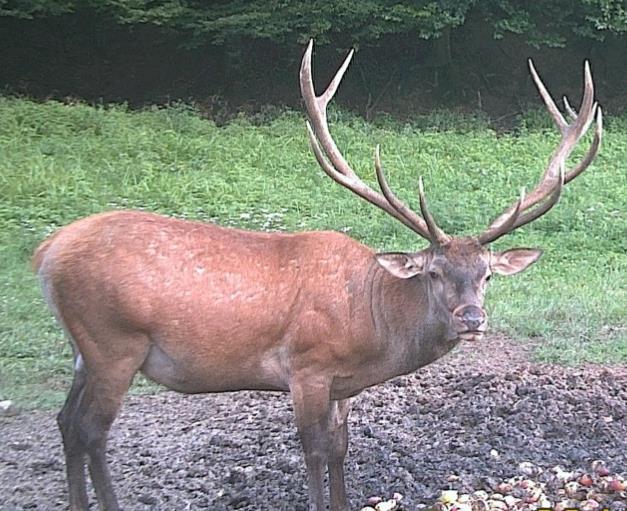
column 62, row 162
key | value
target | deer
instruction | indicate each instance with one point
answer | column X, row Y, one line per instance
column 201, row 308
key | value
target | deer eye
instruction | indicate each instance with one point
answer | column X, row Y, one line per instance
column 434, row 275
column 488, row 277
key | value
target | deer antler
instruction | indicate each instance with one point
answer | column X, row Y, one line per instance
column 335, row 165
column 546, row 194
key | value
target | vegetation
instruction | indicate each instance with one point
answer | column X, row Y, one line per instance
column 288, row 21
column 237, row 54
column 61, row 162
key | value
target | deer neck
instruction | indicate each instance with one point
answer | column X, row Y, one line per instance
column 411, row 326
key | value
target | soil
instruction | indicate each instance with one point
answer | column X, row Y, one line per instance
column 476, row 414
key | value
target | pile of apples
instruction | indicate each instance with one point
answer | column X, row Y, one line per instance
column 379, row 504
column 535, row 489
column 556, row 489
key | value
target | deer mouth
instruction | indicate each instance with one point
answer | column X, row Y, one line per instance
column 471, row 335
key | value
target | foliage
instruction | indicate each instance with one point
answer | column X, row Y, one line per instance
column 608, row 15
column 289, row 21
column 29, row 9
column 552, row 23
column 62, row 162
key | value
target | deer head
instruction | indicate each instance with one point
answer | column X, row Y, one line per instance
column 455, row 270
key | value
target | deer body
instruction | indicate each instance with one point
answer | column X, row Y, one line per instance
column 193, row 297
column 202, row 308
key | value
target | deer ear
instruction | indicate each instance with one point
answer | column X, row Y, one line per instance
column 401, row 264
column 514, row 260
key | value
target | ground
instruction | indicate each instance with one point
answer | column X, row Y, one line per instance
column 476, row 414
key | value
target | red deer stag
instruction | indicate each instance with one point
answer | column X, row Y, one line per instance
column 202, row 308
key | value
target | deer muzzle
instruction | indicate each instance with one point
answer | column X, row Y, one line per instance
column 471, row 322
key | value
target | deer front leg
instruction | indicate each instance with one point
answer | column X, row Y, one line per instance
column 338, row 436
column 311, row 409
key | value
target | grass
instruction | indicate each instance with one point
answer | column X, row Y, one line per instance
column 62, row 162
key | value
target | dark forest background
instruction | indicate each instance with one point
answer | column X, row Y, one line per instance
column 233, row 56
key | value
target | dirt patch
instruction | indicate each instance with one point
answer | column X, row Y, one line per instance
column 477, row 414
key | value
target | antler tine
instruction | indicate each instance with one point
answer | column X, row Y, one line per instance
column 436, row 233
column 548, row 100
column 317, row 108
column 569, row 109
column 592, row 152
column 552, row 199
column 355, row 185
column 329, row 156
column 508, row 224
column 548, row 190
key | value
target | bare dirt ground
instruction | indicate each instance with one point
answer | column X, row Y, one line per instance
column 476, row 414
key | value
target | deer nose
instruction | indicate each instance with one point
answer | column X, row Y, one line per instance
column 471, row 316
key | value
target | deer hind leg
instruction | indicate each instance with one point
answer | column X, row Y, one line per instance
column 72, row 443
column 311, row 409
column 338, row 444
column 100, row 382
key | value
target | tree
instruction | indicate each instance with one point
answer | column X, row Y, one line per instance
column 546, row 23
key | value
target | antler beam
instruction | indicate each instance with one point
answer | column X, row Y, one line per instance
column 546, row 194
column 335, row 165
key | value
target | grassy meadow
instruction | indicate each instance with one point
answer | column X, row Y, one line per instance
column 61, row 162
